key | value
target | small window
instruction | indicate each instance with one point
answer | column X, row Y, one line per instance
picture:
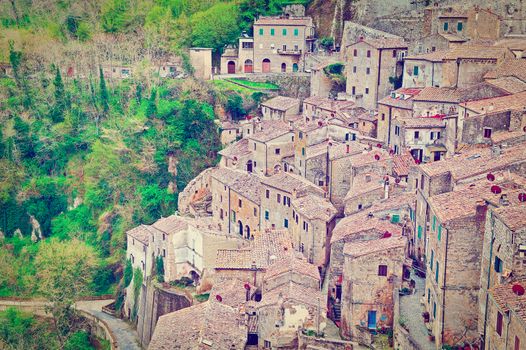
column 446, row 26
column 498, row 264
column 354, row 69
column 233, row 214
column 439, row 235
column 354, row 90
column 284, row 31
column 278, row 198
column 394, row 53
column 431, row 260
column 367, row 70
column 434, row 310
column 498, row 328
column 382, row 270
column 459, row 26
column 267, row 194
column 296, row 32
column 286, row 223
column 303, row 151
column 255, row 212
column 397, row 130
column 355, row 53
column 240, row 203
column 436, row 272
column 415, row 70
column 164, row 253
column 368, row 53
column 277, row 151
column 221, row 214
column 261, row 31
column 267, row 215
column 254, row 146
column 487, row 133
column 419, row 232
column 164, row 237
column 434, row 223
column 272, row 31
column 383, row 116
column 367, row 91
column 417, row 135
column 360, row 207
column 428, row 295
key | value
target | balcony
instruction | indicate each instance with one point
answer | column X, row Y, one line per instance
column 289, row 52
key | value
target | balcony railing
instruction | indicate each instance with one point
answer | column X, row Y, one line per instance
column 289, row 52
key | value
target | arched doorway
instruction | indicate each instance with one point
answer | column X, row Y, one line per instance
column 283, row 67
column 231, row 67
column 247, row 232
column 240, row 225
column 249, row 166
column 295, row 67
column 249, row 66
column 266, row 65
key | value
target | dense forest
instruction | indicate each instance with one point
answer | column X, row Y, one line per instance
column 84, row 158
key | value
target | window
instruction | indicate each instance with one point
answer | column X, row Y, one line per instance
column 367, row 70
column 164, row 237
column 459, row 26
column 296, row 32
column 303, row 151
column 360, row 207
column 305, row 226
column 355, row 53
column 221, row 214
column 439, row 235
column 267, row 194
column 233, row 216
column 428, row 295
column 499, row 323
column 417, row 135
column 368, row 53
column 382, row 270
column 436, row 272
column 284, row 31
column 278, row 198
column 434, row 223
column 240, row 203
column 419, row 232
column 422, row 182
column 354, row 90
column 164, row 253
column 397, row 130
column 367, row 91
column 434, row 310
column 354, row 69
column 353, row 137
column 415, row 70
column 446, row 26
column 394, row 53
column 300, row 135
column 254, row 146
column 498, row 264
column 261, row 31
column 347, row 137
column 431, row 260
column 267, row 344
column 286, row 223
column 255, row 212
column 383, row 116
column 267, row 215
column 487, row 133
column 517, row 343
column 277, row 151
column 272, row 32
column 432, row 136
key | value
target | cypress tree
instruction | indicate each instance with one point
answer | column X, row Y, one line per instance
column 57, row 113
column 104, row 96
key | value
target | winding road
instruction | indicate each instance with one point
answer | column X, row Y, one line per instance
column 124, row 335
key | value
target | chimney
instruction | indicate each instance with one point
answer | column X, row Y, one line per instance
column 368, row 178
column 504, row 200
column 386, row 187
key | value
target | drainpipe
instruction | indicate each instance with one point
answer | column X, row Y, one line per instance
column 378, row 78
column 488, row 283
column 432, row 73
column 389, row 128
column 458, row 72
column 444, row 286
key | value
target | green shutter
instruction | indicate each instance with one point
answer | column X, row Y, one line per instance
column 434, row 223
column 395, row 219
column 419, row 232
column 439, row 232
column 261, row 31
column 284, row 31
column 436, row 273
column 432, row 258
column 459, row 26
column 272, row 31
column 415, row 70
column 296, row 32
column 446, row 26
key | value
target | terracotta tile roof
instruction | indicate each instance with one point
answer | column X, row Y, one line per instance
column 314, row 207
column 232, row 292
column 140, row 233
column 512, row 43
column 291, row 183
column 422, row 122
column 246, row 185
column 509, row 68
column 385, row 43
column 505, row 135
column 309, row 126
column 452, row 13
column 397, row 201
column 236, row 150
column 513, row 216
column 171, row 224
column 365, row 183
column 335, row 105
column 318, row 148
column 432, row 93
column 475, row 162
column 315, row 100
column 452, row 37
column 340, row 150
column 398, row 101
column 382, row 245
column 291, row 21
column 368, row 116
column 463, row 201
column 228, row 125
column 291, row 264
column 434, row 56
column 361, row 222
column 236, row 259
column 456, row 95
column 281, row 103
column 507, row 300
column 268, row 130
column 509, row 84
column 402, row 163
column 368, row 157
column 477, row 51
column 293, row 292
column 209, row 325
column 497, row 104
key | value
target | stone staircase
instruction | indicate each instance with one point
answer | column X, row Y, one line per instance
column 337, row 311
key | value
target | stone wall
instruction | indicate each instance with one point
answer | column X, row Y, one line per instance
column 295, row 85
column 307, row 343
column 194, row 193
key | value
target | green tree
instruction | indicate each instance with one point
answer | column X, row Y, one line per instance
column 151, row 109
column 216, row 26
column 234, row 106
column 104, row 95
column 128, row 273
column 61, row 104
column 15, row 58
column 65, row 272
column 116, row 15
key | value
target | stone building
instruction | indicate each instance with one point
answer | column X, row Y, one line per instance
column 462, row 66
column 424, row 137
column 201, row 60
column 317, row 107
column 236, row 202
column 372, row 271
column 321, row 84
column 398, row 104
column 504, row 247
column 509, row 76
column 280, row 43
column 505, row 327
column 455, row 245
column 229, row 132
column 270, row 142
column 235, row 155
column 371, row 66
column 280, row 108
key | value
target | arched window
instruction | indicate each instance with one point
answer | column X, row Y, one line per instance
column 240, row 224
column 283, row 67
column 295, row 67
column 247, row 232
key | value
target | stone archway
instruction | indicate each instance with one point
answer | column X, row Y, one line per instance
column 231, row 67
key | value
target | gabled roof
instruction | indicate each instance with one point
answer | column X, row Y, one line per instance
column 294, row 264
column 507, row 300
column 236, row 150
column 246, row 185
column 283, row 21
column 383, row 43
column 509, row 68
column 314, row 207
column 361, row 222
column 380, row 246
column 281, row 103
column 291, row 183
column 497, row 104
column 269, row 130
